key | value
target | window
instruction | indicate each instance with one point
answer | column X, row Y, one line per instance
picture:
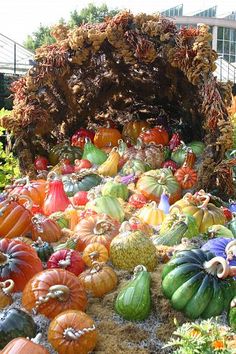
column 220, row 33
column 226, row 34
column 220, row 46
column 226, row 47
column 232, row 59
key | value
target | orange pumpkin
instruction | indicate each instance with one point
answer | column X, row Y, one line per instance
column 53, row 291
column 24, row 346
column 186, row 176
column 132, row 130
column 15, row 219
column 47, row 229
column 106, row 137
column 6, row 288
column 35, row 189
column 72, row 332
column 99, row 279
column 95, row 252
column 99, row 228
column 157, row 135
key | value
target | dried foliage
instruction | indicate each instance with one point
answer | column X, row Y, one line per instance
column 125, row 68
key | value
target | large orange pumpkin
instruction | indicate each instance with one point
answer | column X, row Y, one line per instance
column 22, row 345
column 107, row 137
column 132, row 130
column 99, row 228
column 18, row 262
column 47, row 229
column 15, row 219
column 186, row 176
column 157, row 135
column 53, row 291
column 72, row 332
column 35, row 189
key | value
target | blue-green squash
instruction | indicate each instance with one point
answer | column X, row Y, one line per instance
column 134, row 300
column 83, row 181
column 44, row 249
column 191, row 281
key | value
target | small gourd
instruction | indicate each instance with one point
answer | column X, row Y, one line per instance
column 95, row 252
column 6, row 288
column 110, row 166
column 151, row 214
column 43, row 249
column 134, row 300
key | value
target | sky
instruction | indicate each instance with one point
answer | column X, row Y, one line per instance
column 19, row 18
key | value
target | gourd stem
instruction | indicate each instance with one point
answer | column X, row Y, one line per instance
column 186, row 177
column 67, row 261
column 72, row 334
column 102, row 226
column 37, row 339
column 162, row 178
column 58, row 292
column 94, row 255
column 96, row 266
column 39, row 242
column 230, row 249
column 125, row 227
column 217, row 266
column 7, row 289
column 139, row 268
column 3, row 258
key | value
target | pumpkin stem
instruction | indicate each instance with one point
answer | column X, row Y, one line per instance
column 161, row 178
column 218, row 266
column 233, row 303
column 58, row 292
column 39, row 242
column 139, row 268
column 186, row 177
column 67, row 261
column 37, row 221
column 102, row 226
column 125, row 227
column 3, row 258
column 94, row 255
column 37, row 339
column 72, row 334
column 96, row 266
column 7, row 289
column 230, row 250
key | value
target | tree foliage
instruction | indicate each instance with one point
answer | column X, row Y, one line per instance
column 89, row 14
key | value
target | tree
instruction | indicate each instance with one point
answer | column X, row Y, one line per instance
column 89, row 14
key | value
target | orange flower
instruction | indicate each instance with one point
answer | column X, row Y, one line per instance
column 218, row 344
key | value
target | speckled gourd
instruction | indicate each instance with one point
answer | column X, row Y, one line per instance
column 131, row 248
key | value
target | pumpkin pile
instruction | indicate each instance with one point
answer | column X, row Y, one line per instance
column 107, row 201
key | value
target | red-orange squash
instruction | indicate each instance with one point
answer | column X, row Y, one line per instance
column 186, row 176
column 47, row 229
column 35, row 190
column 99, row 228
column 106, row 137
column 95, row 252
column 99, row 279
column 22, row 345
column 15, row 219
column 53, row 291
column 18, row 262
column 72, row 332
column 157, row 135
column 132, row 130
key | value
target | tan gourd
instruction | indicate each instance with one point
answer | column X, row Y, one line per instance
column 6, row 288
column 110, row 166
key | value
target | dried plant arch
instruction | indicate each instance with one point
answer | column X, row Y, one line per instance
column 127, row 67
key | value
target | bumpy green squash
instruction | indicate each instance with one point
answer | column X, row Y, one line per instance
column 195, row 288
column 134, row 300
column 16, row 323
column 116, row 189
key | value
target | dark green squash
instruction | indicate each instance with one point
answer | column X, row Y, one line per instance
column 83, row 181
column 16, row 323
column 232, row 315
column 134, row 300
column 43, row 249
column 192, row 288
column 64, row 151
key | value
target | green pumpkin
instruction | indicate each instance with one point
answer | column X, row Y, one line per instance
column 83, row 181
column 219, row 231
column 192, row 288
column 93, row 154
column 134, row 167
column 107, row 205
column 43, row 249
column 197, row 147
column 232, row 316
column 179, row 154
column 134, row 300
column 16, row 323
column 60, row 219
column 167, row 152
column 172, row 220
column 70, row 244
column 64, row 151
column 131, row 248
column 115, row 189
column 173, row 237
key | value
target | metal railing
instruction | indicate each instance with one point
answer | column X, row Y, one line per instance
column 225, row 71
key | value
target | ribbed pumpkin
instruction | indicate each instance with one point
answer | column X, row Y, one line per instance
column 18, row 262
column 35, row 190
column 82, row 181
column 15, row 219
column 115, row 189
column 67, row 259
column 186, row 177
column 151, row 215
column 110, row 166
column 106, row 137
column 135, row 167
column 193, row 281
column 131, row 248
column 132, row 130
column 15, row 323
column 53, row 291
column 153, row 183
column 6, row 288
column 72, row 332
column 99, row 279
column 158, row 135
column 64, row 151
column 95, row 252
column 107, row 205
column 22, row 346
column 100, row 228
column 198, row 206
column 45, row 228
